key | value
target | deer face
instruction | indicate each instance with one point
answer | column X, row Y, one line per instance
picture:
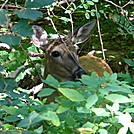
column 62, row 54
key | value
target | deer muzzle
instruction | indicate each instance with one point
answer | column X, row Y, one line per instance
column 78, row 73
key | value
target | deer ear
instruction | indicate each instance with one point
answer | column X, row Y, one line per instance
column 83, row 32
column 40, row 36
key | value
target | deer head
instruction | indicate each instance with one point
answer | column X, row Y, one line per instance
column 62, row 54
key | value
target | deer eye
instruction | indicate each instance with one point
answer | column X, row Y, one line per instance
column 55, row 54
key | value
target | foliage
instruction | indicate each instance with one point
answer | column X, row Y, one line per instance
column 92, row 104
column 105, row 106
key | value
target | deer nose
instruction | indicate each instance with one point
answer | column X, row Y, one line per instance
column 78, row 73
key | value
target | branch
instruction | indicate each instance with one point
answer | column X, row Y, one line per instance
column 98, row 24
column 118, row 5
column 31, row 62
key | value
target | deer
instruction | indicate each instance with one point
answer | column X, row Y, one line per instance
column 61, row 55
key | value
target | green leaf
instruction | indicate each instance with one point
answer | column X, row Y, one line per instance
column 38, row 3
column 11, row 118
column 24, row 122
column 10, row 39
column 3, row 17
column 103, row 131
column 129, row 110
column 85, row 6
column 22, row 28
column 89, row 2
column 39, row 130
column 93, row 81
column 65, row 105
column 115, row 88
column 98, row 15
column 91, row 100
column 71, row 94
column 45, row 92
column 51, row 116
column 87, row 15
column 1, row 67
column 88, row 125
column 9, row 84
column 51, row 81
column 65, row 19
column 10, row 110
column 95, row 0
column 117, row 98
column 100, row 112
column 129, row 61
column 29, row 14
column 70, row 120
column 68, row 11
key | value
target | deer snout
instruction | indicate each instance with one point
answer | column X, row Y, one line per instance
column 78, row 73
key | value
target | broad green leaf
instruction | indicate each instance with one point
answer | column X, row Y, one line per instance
column 117, row 98
column 38, row 3
column 83, row 110
column 10, row 39
column 71, row 94
column 115, row 88
column 103, row 131
column 10, row 110
column 24, row 122
column 129, row 110
column 51, row 81
column 70, row 120
column 3, row 17
column 88, row 125
column 9, row 84
column 93, row 81
column 113, row 77
column 100, row 112
column 39, row 130
column 22, row 28
column 129, row 61
column 51, row 116
column 45, row 92
column 103, row 124
column 32, row 115
column 131, row 97
column 11, row 118
column 29, row 14
column 65, row 105
column 91, row 100
column 1, row 67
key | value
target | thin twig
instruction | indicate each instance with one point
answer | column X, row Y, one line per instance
column 101, row 42
column 113, row 3
column 39, row 75
column 60, row 36
column 4, row 4
column 126, row 4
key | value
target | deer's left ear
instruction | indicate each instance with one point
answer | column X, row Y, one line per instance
column 82, row 33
